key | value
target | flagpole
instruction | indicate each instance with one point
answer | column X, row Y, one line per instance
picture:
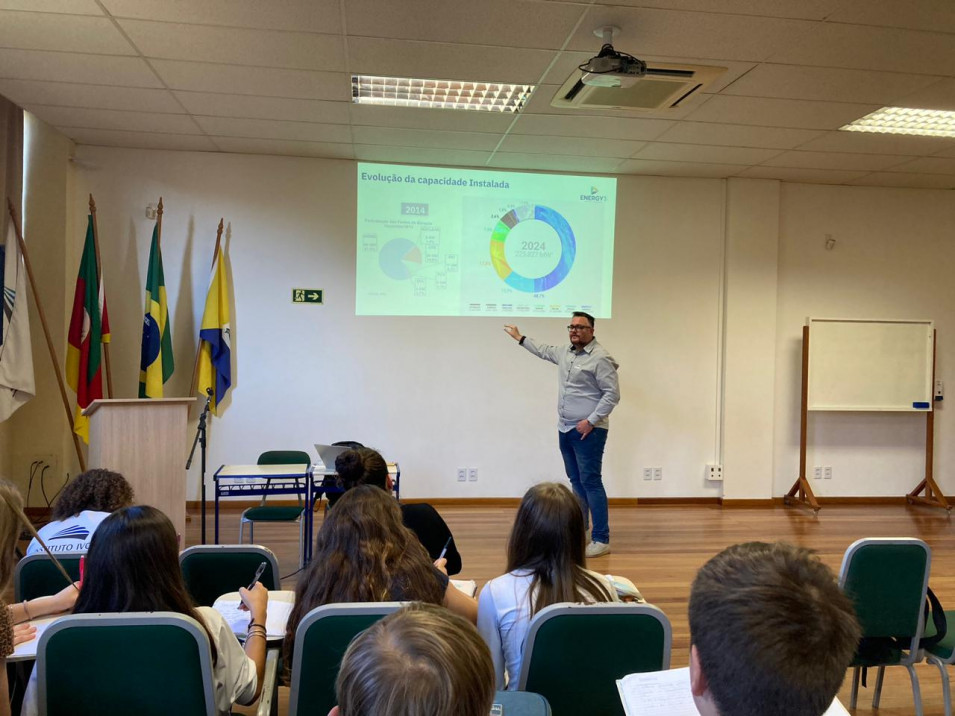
column 46, row 333
column 159, row 227
column 99, row 281
column 195, row 367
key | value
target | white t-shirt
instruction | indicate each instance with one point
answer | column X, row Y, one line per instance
column 233, row 673
column 504, row 617
column 68, row 536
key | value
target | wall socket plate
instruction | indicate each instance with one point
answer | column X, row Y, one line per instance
column 658, row 473
column 648, row 473
column 462, row 474
column 472, row 474
column 714, row 472
column 827, row 473
column 817, row 472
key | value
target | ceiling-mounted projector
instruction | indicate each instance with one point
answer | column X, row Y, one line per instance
column 616, row 80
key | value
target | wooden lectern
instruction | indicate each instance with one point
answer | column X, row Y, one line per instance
column 145, row 440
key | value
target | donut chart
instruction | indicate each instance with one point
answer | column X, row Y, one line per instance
column 568, row 248
column 399, row 259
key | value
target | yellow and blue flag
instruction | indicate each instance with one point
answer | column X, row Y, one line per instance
column 156, row 362
column 215, row 337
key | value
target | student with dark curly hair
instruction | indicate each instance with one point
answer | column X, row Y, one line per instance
column 364, row 466
column 85, row 502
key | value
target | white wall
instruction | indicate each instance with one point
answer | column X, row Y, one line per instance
column 712, row 283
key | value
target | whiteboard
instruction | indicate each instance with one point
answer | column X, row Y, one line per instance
column 862, row 364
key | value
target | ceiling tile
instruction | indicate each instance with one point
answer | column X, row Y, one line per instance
column 63, row 33
column 234, row 105
column 569, row 146
column 938, row 95
column 504, row 23
column 398, row 137
column 439, row 60
column 141, row 140
column 827, row 84
column 808, row 176
column 555, row 162
column 72, row 67
column 701, row 153
column 274, row 129
column 70, row 7
column 915, row 181
column 678, row 169
column 239, row 46
column 584, row 126
column 738, row 135
column 804, row 9
column 261, row 81
column 246, row 145
column 871, row 48
column 928, row 165
column 115, row 119
column 876, row 143
column 701, row 35
column 420, row 155
column 931, row 15
column 65, row 94
column 415, row 118
column 835, row 160
column 780, row 112
column 304, row 15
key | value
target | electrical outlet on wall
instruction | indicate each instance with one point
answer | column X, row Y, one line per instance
column 472, row 474
column 817, row 472
column 658, row 473
column 827, row 473
column 648, row 473
column 462, row 474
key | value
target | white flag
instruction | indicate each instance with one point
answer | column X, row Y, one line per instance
column 16, row 354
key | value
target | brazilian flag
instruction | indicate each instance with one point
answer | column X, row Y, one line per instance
column 156, row 363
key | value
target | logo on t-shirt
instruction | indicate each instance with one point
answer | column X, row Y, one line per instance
column 74, row 532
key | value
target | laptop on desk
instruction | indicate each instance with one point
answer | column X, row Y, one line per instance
column 328, row 453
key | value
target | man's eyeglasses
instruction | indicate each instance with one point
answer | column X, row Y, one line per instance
column 579, row 328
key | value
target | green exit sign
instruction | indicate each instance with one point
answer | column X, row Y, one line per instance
column 307, row 295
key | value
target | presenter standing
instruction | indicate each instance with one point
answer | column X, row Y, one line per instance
column 587, row 390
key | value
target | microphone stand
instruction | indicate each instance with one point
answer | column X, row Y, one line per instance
column 200, row 439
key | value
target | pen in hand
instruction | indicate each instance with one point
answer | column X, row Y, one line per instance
column 258, row 573
column 444, row 550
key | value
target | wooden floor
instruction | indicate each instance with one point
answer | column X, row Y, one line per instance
column 660, row 549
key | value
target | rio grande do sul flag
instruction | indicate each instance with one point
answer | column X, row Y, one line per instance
column 156, row 362
column 16, row 354
column 89, row 330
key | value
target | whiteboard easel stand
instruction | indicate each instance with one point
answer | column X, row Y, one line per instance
column 933, row 496
column 801, row 492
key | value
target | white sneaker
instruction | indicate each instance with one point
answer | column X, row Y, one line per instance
column 597, row 549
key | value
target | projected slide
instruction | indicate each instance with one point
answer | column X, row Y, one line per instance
column 462, row 242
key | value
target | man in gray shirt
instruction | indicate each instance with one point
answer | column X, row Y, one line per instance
column 587, row 390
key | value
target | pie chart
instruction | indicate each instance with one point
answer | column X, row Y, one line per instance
column 400, row 259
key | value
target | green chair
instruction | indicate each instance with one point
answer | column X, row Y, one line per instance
column 37, row 576
column 211, row 570
column 321, row 639
column 887, row 578
column 943, row 654
column 621, row 639
column 267, row 513
column 146, row 663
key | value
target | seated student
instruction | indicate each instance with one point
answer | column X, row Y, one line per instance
column 420, row 661
column 133, row 566
column 545, row 565
column 364, row 466
column 364, row 554
column 770, row 632
column 85, row 501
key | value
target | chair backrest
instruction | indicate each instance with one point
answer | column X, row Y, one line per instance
column 887, row 578
column 147, row 663
column 211, row 570
column 37, row 576
column 284, row 457
column 321, row 639
column 610, row 641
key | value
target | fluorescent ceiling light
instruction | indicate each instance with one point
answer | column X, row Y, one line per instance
column 439, row 94
column 906, row 120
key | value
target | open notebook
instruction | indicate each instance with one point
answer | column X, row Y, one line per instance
column 280, row 606
column 667, row 693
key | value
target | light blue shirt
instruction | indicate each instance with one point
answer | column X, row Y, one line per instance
column 587, row 385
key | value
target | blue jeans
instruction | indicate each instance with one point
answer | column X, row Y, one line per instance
column 582, row 461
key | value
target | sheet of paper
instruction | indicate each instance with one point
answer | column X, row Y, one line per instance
column 27, row 650
column 667, row 693
column 657, row 693
column 468, row 586
column 280, row 606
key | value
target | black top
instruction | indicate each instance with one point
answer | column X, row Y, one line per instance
column 422, row 519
